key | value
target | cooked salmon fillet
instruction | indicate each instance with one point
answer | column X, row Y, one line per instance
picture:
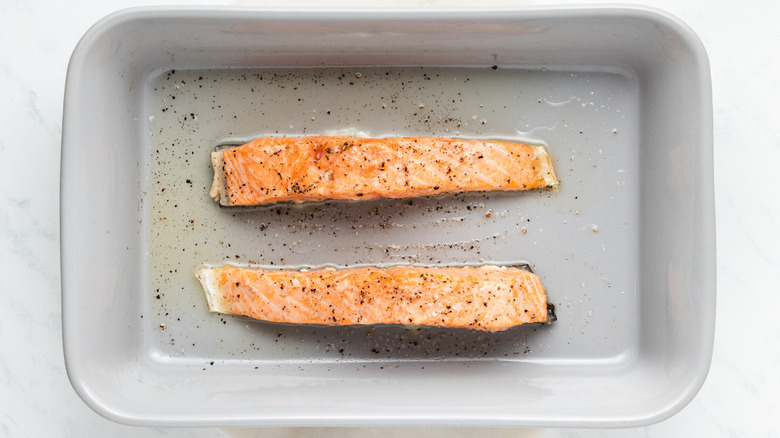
column 299, row 169
column 487, row 298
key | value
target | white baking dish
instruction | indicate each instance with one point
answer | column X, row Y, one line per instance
column 621, row 98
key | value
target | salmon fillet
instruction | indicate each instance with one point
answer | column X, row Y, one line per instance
column 299, row 169
column 487, row 298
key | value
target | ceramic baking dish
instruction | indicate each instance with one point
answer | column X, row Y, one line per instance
column 619, row 96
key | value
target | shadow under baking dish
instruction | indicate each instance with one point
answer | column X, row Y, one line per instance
column 625, row 248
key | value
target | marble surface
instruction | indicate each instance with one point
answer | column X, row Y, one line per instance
column 742, row 392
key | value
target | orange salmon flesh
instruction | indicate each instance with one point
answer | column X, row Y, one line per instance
column 486, row 298
column 300, row 169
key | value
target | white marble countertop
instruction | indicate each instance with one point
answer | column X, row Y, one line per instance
column 742, row 392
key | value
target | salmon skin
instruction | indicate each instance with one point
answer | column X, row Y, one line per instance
column 486, row 298
column 299, row 169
